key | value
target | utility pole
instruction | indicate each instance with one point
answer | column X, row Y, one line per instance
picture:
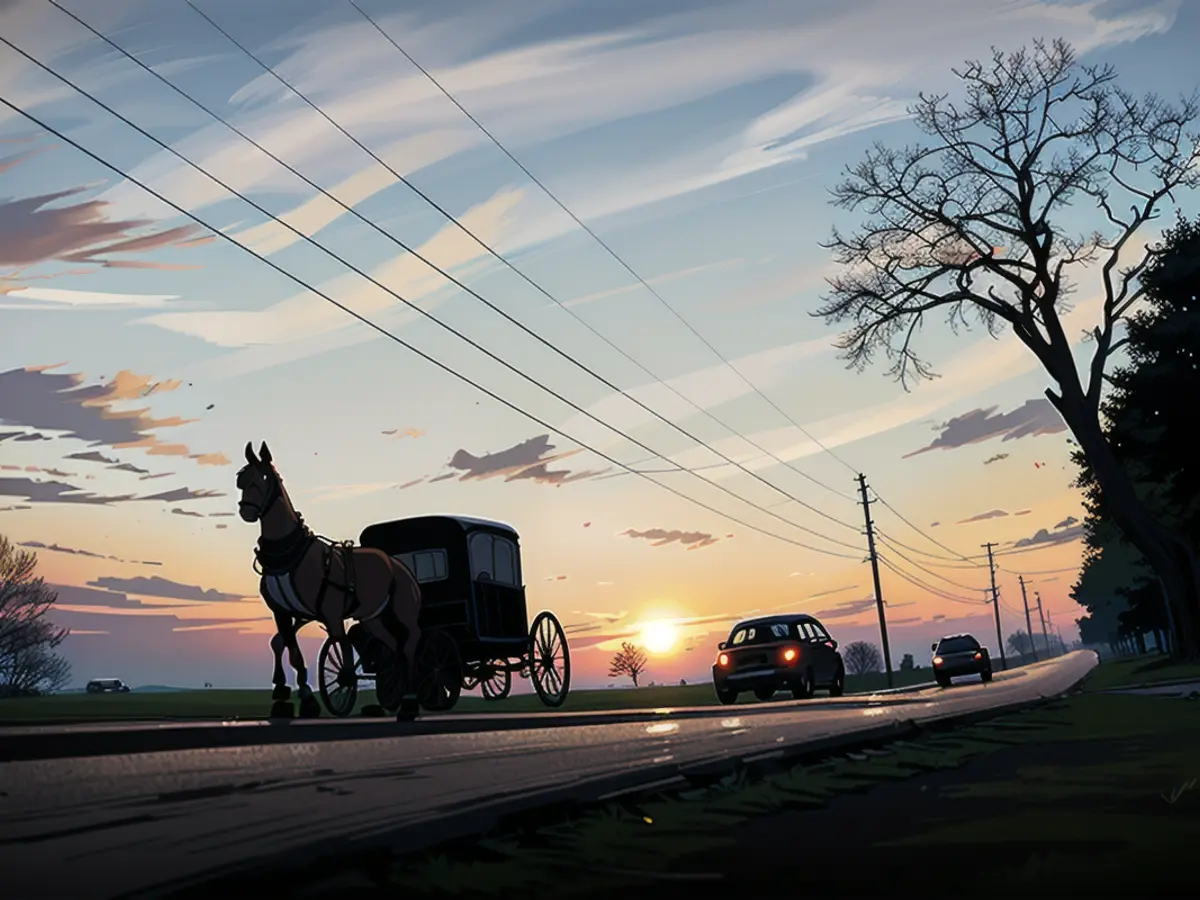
column 887, row 653
column 1028, row 624
column 996, row 604
column 1045, row 637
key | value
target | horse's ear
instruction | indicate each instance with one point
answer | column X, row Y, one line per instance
column 250, row 453
column 264, row 453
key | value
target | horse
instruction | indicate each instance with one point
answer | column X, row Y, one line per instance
column 306, row 578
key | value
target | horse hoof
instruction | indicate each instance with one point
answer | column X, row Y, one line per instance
column 282, row 692
column 282, row 709
column 409, row 710
column 310, row 708
column 373, row 710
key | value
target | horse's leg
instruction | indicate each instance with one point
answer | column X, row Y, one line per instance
column 406, row 613
column 281, row 707
column 278, row 679
column 309, row 707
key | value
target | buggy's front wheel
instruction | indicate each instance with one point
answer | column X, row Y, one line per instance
column 549, row 659
column 337, row 678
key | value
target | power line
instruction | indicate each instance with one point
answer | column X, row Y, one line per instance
column 373, row 325
column 594, row 236
column 524, row 277
column 932, row 540
column 405, row 301
column 454, row 280
column 611, row 252
column 917, row 582
column 642, row 281
column 924, row 569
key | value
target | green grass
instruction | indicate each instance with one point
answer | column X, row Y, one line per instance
column 254, row 704
column 1148, row 669
column 1092, row 790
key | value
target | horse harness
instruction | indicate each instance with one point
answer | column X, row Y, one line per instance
column 277, row 561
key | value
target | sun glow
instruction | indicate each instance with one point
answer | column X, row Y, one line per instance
column 659, row 637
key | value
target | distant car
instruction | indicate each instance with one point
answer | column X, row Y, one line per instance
column 960, row 654
column 107, row 686
column 766, row 655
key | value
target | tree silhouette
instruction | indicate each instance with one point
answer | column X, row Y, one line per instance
column 28, row 664
column 1019, row 643
column 906, row 664
column 630, row 660
column 1149, row 416
column 861, row 658
column 974, row 224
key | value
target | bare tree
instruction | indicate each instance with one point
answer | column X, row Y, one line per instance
column 28, row 663
column 1019, row 643
column 861, row 658
column 973, row 224
column 629, row 660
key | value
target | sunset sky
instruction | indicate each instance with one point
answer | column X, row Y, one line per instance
column 139, row 352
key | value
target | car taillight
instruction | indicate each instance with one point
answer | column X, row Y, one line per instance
column 790, row 654
column 937, row 660
column 979, row 656
column 723, row 660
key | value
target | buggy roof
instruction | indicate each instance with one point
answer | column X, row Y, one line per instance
column 439, row 525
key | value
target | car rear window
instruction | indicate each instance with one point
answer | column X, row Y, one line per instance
column 762, row 633
column 958, row 645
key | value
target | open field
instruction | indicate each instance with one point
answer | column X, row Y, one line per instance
column 1094, row 792
column 254, row 704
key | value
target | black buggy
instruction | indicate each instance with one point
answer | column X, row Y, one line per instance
column 475, row 630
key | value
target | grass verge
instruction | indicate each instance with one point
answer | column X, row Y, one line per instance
column 1094, row 791
column 254, row 704
column 1139, row 670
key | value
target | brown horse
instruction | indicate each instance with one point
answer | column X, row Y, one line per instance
column 308, row 578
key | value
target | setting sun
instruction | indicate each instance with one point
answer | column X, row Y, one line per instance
column 659, row 637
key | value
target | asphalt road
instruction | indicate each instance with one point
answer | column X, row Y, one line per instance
column 102, row 826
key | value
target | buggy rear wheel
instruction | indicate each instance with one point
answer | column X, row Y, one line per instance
column 499, row 683
column 549, row 659
column 337, row 678
column 439, row 672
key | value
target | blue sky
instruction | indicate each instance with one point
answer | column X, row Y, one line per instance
column 699, row 140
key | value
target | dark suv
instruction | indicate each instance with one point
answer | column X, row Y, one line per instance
column 960, row 654
column 107, row 686
column 790, row 652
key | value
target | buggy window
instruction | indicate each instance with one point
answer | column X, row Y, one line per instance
column 494, row 559
column 426, row 565
column 481, row 555
column 504, row 555
column 742, row 636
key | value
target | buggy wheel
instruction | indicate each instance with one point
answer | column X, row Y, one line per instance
column 499, row 683
column 390, row 677
column 549, row 659
column 439, row 672
column 337, row 679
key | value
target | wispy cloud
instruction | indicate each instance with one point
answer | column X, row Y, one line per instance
column 995, row 459
column 35, row 397
column 1043, row 538
column 848, row 609
column 79, row 551
column 156, row 586
column 980, row 517
column 660, row 537
column 1035, row 417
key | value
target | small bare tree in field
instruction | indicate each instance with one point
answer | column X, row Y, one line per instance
column 628, row 661
column 28, row 663
column 973, row 226
column 861, row 658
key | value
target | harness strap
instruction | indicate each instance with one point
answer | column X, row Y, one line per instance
column 351, row 588
column 326, row 562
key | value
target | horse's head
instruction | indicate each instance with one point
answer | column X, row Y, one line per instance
column 259, row 483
